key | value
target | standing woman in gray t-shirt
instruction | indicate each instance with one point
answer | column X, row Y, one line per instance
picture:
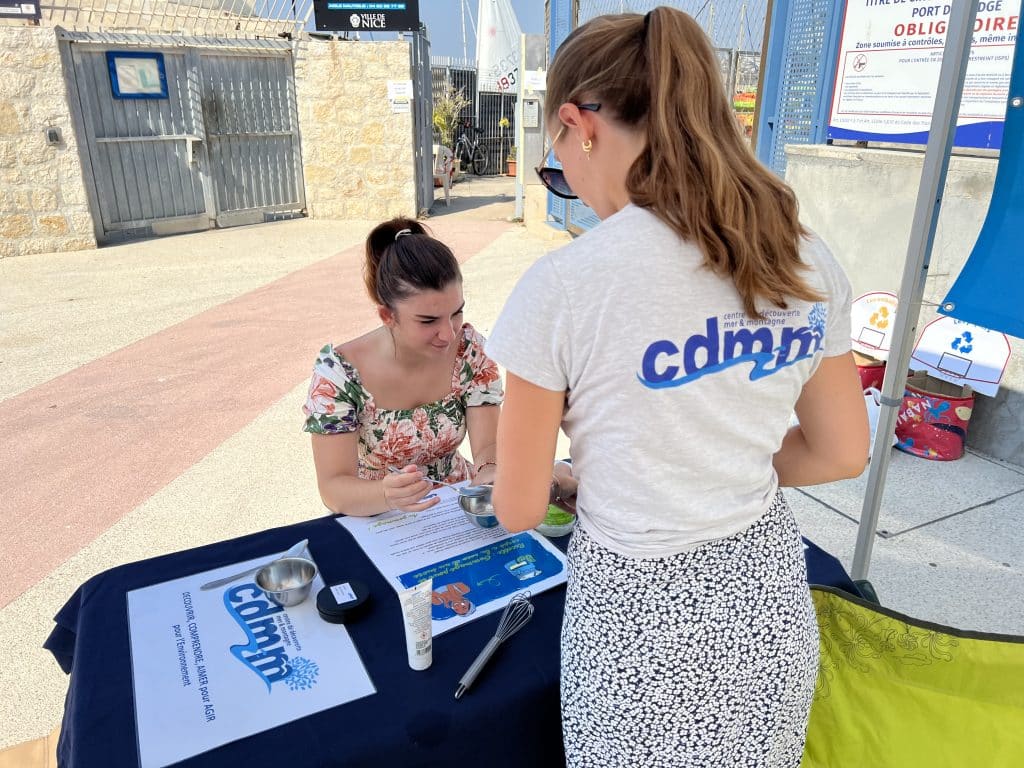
column 672, row 343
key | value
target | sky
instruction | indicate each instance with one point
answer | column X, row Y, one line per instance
column 444, row 24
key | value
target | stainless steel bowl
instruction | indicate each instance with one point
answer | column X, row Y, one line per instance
column 475, row 501
column 287, row 580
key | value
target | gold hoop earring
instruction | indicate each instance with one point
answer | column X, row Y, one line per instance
column 587, row 146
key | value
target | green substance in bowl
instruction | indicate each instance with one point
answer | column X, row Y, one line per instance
column 558, row 516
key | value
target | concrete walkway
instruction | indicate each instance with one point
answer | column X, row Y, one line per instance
column 150, row 401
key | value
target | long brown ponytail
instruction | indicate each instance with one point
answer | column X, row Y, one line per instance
column 403, row 258
column 697, row 174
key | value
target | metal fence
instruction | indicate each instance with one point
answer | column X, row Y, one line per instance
column 731, row 24
column 800, row 58
column 211, row 18
column 485, row 109
column 736, row 29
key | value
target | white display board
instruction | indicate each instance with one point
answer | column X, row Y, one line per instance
column 210, row 667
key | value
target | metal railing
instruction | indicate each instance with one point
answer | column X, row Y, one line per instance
column 485, row 110
column 220, row 18
column 736, row 29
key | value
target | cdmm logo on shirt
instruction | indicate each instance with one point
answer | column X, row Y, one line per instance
column 722, row 350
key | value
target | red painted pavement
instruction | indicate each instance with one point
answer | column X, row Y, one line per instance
column 82, row 450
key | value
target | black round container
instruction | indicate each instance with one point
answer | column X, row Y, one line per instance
column 342, row 602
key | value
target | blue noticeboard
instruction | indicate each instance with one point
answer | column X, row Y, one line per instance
column 137, row 75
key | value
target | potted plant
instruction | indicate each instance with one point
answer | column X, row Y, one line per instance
column 448, row 107
column 511, row 160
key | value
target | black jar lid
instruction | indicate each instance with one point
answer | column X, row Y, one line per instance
column 343, row 601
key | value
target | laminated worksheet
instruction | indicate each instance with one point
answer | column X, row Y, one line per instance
column 475, row 571
column 210, row 667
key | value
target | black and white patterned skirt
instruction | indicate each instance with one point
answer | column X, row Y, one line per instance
column 706, row 658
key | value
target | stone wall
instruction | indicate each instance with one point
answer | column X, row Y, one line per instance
column 43, row 206
column 357, row 154
column 358, row 157
column 861, row 202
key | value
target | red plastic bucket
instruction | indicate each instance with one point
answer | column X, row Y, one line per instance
column 932, row 421
column 871, row 371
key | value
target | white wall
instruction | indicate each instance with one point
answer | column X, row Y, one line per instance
column 861, row 202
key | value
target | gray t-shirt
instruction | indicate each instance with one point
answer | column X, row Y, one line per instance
column 676, row 400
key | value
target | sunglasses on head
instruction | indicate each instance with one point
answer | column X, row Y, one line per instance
column 553, row 178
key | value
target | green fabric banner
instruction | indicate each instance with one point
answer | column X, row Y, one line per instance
column 894, row 691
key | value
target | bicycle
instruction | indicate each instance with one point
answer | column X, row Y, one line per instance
column 469, row 152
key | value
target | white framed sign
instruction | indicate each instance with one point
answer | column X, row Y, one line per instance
column 887, row 73
column 400, row 95
column 137, row 75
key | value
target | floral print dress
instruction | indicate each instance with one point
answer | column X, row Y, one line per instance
column 428, row 435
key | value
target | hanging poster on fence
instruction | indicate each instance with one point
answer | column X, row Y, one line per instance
column 961, row 353
column 871, row 321
column 400, row 95
column 888, row 71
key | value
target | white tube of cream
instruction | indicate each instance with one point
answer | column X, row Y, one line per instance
column 416, row 602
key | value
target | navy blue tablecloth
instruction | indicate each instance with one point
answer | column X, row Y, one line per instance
column 510, row 717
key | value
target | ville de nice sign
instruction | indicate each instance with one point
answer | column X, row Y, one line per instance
column 366, row 16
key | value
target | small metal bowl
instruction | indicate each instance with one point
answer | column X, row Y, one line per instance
column 475, row 501
column 287, row 580
column 557, row 522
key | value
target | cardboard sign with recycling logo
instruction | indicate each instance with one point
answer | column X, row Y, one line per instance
column 962, row 353
column 872, row 319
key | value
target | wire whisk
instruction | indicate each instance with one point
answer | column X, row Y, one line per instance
column 515, row 616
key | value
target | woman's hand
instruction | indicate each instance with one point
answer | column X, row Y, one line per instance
column 404, row 490
column 563, row 486
column 484, row 475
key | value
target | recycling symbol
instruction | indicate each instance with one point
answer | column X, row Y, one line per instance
column 963, row 343
column 881, row 318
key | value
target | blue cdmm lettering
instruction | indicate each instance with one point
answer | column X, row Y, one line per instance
column 264, row 653
column 650, row 362
column 664, row 365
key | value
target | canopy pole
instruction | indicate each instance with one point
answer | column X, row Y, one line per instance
column 922, row 236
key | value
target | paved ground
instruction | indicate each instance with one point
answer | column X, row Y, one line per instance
column 150, row 402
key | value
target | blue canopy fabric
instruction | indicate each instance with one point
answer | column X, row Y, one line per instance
column 989, row 290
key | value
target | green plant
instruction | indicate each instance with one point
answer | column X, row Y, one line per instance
column 447, row 109
column 512, row 152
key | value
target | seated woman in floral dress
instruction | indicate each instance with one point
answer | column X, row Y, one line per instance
column 403, row 396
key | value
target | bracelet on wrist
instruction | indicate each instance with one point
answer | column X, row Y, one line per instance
column 477, row 469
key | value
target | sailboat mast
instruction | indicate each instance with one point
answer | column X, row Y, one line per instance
column 462, row 13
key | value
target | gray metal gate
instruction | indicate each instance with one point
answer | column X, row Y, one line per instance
column 422, row 120
column 252, row 129
column 221, row 149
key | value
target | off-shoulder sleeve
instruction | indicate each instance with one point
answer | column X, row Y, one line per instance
column 335, row 396
column 479, row 380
